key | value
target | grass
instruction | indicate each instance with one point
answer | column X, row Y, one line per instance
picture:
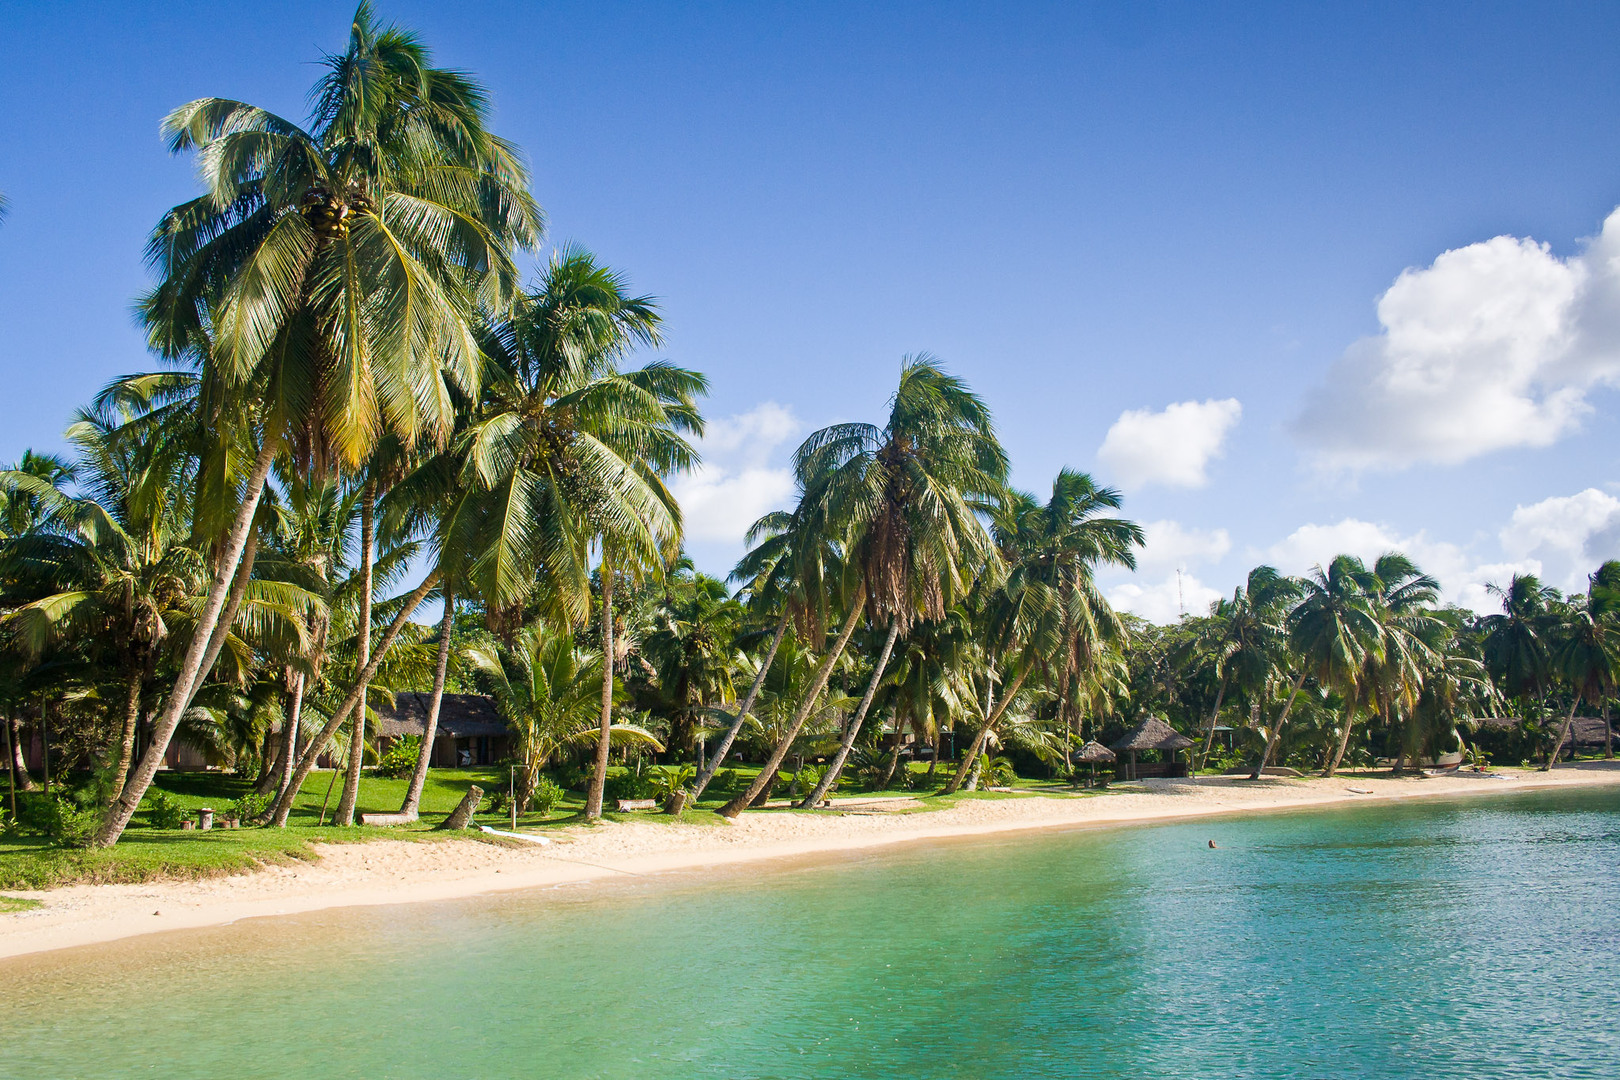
column 9, row 904
column 146, row 853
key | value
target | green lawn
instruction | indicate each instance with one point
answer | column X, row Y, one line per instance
column 145, row 853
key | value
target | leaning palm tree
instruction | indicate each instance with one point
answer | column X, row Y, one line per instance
column 549, row 691
column 1049, row 611
column 790, row 574
column 907, row 495
column 328, row 275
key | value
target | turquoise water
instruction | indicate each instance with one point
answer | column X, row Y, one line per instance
column 1464, row 939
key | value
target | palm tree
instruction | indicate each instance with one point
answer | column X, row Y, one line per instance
column 548, row 690
column 930, row 682
column 1252, row 638
column 328, row 275
column 1515, row 642
column 111, row 568
column 790, row 574
column 567, row 450
column 1392, row 676
column 906, row 495
column 1333, row 632
column 1603, row 598
column 1586, row 654
column 691, row 650
column 20, row 513
column 1049, row 609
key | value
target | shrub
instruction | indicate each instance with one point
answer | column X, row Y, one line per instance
column 400, row 761
column 668, row 779
column 66, row 819
column 725, row 780
column 628, row 784
column 249, row 806
column 576, row 778
column 547, row 794
column 163, row 810
column 1000, row 773
column 809, row 777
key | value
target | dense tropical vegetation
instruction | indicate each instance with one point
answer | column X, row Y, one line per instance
column 362, row 410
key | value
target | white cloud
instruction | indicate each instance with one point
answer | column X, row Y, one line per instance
column 1173, row 447
column 1494, row 345
column 742, row 477
column 1569, row 535
column 1171, row 544
column 1462, row 577
column 1164, row 601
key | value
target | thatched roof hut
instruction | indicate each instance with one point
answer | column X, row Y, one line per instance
column 471, row 730
column 1094, row 753
column 1587, row 732
column 1091, row 754
column 1151, row 734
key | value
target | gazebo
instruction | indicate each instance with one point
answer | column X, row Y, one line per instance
column 1152, row 734
column 1091, row 754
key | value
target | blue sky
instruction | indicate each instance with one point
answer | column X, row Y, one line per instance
column 1092, row 212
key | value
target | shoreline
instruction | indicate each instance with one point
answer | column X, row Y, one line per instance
column 386, row 872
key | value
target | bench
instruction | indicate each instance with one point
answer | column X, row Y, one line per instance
column 627, row 805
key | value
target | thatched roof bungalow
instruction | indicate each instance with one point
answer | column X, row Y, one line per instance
column 471, row 730
column 1153, row 734
column 1587, row 733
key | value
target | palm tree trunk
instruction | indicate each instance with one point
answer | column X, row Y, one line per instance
column 853, row 728
column 593, row 799
column 287, row 760
column 357, row 730
column 11, row 746
column 20, row 779
column 1608, row 733
column 126, row 741
column 202, row 644
column 317, row 745
column 766, row 775
column 424, row 755
column 1558, row 743
column 1209, row 736
column 261, row 783
column 730, row 737
column 894, row 761
column 1344, row 740
column 1063, row 715
column 977, row 747
column 1276, row 732
column 45, row 744
column 233, row 604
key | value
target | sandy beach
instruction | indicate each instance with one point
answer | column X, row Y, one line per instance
column 404, row 871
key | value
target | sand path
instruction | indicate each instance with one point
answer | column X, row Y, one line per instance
column 393, row 872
